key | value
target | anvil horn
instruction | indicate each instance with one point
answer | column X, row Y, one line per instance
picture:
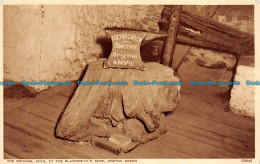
column 153, row 36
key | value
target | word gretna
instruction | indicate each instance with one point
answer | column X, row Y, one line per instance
column 131, row 37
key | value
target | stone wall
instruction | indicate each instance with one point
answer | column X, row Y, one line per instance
column 49, row 42
column 22, row 42
column 239, row 16
column 55, row 42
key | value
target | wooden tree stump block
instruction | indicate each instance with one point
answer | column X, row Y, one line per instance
column 136, row 111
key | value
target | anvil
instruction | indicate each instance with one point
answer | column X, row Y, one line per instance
column 126, row 47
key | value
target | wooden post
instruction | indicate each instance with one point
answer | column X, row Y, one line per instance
column 172, row 31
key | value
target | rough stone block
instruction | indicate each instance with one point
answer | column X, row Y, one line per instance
column 243, row 96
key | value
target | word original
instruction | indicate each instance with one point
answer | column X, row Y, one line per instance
column 123, row 55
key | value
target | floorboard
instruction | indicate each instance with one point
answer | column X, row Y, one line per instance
column 9, row 156
column 56, row 101
column 43, row 110
column 29, row 132
column 227, row 145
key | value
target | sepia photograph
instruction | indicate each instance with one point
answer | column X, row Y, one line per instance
column 121, row 83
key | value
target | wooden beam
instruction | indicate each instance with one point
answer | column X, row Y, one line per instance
column 209, row 31
column 207, row 37
column 215, row 25
column 205, row 44
column 172, row 31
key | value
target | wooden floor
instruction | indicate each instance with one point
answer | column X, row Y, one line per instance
column 197, row 129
